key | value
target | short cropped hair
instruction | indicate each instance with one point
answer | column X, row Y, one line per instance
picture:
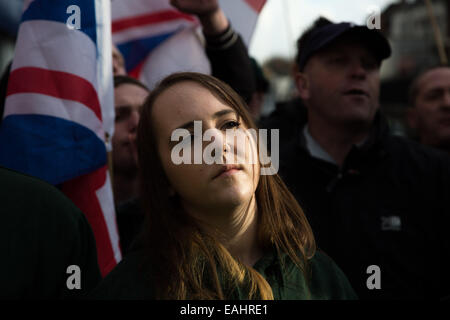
column 119, row 80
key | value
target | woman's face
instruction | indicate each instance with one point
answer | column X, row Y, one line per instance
column 204, row 186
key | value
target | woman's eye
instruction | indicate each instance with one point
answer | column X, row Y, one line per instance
column 231, row 125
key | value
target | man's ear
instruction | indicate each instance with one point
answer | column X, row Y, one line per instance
column 302, row 84
column 411, row 117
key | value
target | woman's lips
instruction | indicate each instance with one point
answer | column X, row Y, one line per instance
column 227, row 170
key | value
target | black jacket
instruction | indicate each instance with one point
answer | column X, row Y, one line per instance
column 387, row 206
column 42, row 233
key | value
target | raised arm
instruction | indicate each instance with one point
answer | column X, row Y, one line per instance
column 225, row 49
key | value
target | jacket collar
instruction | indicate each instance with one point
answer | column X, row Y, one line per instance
column 314, row 148
column 372, row 148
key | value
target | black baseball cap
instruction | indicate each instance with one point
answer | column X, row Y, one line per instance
column 326, row 35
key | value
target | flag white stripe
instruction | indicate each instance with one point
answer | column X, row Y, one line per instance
column 106, row 200
column 104, row 68
column 181, row 52
column 243, row 18
column 106, row 97
column 70, row 49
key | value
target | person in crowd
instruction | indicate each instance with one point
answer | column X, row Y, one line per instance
column 215, row 231
column 129, row 96
column 230, row 63
column 48, row 246
column 429, row 112
column 378, row 204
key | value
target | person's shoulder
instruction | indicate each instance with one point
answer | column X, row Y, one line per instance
column 129, row 280
column 49, row 234
column 410, row 148
column 17, row 180
column 27, row 195
column 49, row 218
column 412, row 155
column 327, row 281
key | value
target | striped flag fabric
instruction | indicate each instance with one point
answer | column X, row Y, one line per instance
column 59, row 109
column 156, row 39
column 243, row 15
column 139, row 26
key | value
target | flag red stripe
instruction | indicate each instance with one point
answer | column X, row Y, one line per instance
column 257, row 5
column 162, row 16
column 82, row 191
column 56, row 84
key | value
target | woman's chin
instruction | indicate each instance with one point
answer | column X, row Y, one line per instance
column 233, row 197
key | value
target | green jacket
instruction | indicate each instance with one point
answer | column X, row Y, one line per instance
column 327, row 282
column 42, row 233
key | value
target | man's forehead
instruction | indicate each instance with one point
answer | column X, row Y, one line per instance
column 129, row 93
column 130, row 89
column 438, row 77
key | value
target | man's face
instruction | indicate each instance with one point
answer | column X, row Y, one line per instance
column 430, row 115
column 128, row 101
column 340, row 84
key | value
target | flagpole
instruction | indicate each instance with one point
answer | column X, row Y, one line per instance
column 437, row 34
column 288, row 26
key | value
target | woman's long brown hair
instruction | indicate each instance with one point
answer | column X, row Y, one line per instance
column 186, row 262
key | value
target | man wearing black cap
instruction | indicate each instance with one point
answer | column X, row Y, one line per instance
column 377, row 204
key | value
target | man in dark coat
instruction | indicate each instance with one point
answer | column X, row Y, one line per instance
column 378, row 204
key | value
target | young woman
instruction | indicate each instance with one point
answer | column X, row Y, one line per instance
column 215, row 231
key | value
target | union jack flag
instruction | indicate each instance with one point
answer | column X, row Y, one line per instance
column 59, row 109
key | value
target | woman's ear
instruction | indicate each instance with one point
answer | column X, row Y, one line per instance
column 302, row 84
